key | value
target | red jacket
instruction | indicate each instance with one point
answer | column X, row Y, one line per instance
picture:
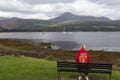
column 82, row 56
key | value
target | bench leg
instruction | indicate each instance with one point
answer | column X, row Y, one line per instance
column 59, row 78
column 110, row 76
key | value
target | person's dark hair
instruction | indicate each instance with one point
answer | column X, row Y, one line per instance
column 83, row 46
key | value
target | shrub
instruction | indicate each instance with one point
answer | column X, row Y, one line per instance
column 14, row 53
column 50, row 57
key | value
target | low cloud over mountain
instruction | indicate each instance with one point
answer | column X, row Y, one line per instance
column 47, row 9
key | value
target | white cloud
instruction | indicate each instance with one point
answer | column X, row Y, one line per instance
column 113, row 6
column 85, row 7
column 14, row 6
column 24, row 16
column 108, row 2
column 44, row 9
column 34, row 2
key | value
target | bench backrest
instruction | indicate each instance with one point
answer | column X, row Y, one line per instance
column 81, row 67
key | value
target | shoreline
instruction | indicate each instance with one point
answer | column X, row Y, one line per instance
column 43, row 50
column 95, row 41
column 55, row 46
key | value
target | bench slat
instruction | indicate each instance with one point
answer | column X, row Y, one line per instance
column 93, row 67
column 84, row 67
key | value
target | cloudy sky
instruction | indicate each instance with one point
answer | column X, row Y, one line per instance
column 46, row 9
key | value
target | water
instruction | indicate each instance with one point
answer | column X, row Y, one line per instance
column 108, row 41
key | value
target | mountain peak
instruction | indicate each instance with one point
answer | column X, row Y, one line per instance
column 67, row 13
column 69, row 16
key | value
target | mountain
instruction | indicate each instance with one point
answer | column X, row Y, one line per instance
column 70, row 21
column 12, row 23
column 2, row 18
column 69, row 16
column 18, row 23
column 8, row 22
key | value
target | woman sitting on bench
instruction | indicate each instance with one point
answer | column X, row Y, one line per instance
column 83, row 57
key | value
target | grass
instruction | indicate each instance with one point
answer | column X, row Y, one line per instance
column 116, row 75
column 26, row 68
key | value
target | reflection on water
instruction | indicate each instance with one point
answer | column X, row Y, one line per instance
column 67, row 45
column 93, row 40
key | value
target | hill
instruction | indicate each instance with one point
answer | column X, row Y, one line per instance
column 69, row 16
column 90, row 25
column 2, row 18
column 12, row 23
column 68, row 20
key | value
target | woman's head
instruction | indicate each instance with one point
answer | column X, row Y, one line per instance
column 83, row 46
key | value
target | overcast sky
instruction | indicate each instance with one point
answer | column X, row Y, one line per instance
column 46, row 9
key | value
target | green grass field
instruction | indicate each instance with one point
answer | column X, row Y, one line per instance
column 26, row 68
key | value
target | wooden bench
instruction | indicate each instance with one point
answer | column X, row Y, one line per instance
column 92, row 68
